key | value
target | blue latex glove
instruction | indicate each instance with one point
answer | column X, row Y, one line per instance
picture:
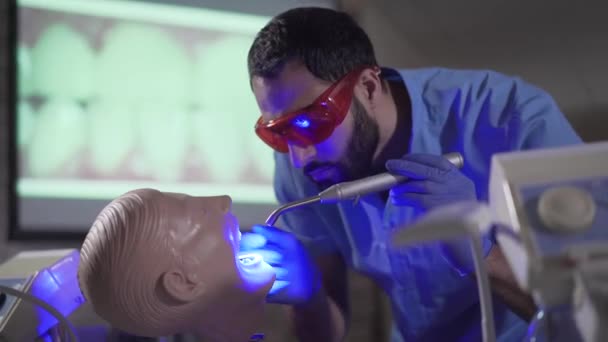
column 434, row 181
column 297, row 278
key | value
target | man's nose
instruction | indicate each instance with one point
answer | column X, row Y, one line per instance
column 301, row 156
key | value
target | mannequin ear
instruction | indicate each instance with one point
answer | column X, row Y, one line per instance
column 180, row 287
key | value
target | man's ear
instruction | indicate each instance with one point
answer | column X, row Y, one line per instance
column 180, row 287
column 372, row 83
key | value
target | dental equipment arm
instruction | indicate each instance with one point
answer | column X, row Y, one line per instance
column 591, row 300
column 354, row 189
column 551, row 227
column 470, row 219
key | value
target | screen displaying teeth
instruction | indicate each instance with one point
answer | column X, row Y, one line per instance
column 140, row 122
column 112, row 96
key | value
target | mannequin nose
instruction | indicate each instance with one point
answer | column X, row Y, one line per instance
column 301, row 156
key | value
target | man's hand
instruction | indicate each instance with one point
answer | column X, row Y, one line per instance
column 504, row 284
column 434, row 181
column 297, row 278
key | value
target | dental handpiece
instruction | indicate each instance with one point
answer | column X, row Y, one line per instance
column 354, row 189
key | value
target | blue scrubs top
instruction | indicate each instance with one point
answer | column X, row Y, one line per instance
column 477, row 113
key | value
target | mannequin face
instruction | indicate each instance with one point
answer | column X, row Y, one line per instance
column 157, row 264
column 205, row 234
column 217, row 282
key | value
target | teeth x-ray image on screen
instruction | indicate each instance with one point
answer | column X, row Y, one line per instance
column 116, row 94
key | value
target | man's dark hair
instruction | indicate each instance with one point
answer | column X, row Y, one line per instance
column 329, row 43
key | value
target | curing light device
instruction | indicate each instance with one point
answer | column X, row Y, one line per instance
column 41, row 290
column 354, row 189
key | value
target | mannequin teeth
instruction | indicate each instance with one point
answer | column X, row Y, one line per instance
column 250, row 259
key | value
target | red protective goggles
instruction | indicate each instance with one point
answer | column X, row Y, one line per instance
column 315, row 123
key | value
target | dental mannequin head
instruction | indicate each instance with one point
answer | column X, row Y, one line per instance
column 157, row 264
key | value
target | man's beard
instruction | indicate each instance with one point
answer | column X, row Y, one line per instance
column 357, row 162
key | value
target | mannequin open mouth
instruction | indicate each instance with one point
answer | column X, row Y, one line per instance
column 252, row 267
column 254, row 270
column 250, row 259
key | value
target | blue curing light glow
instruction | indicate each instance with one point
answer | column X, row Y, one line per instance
column 253, row 271
column 301, row 122
column 58, row 286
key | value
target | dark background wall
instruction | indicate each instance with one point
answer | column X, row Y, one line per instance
column 561, row 46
